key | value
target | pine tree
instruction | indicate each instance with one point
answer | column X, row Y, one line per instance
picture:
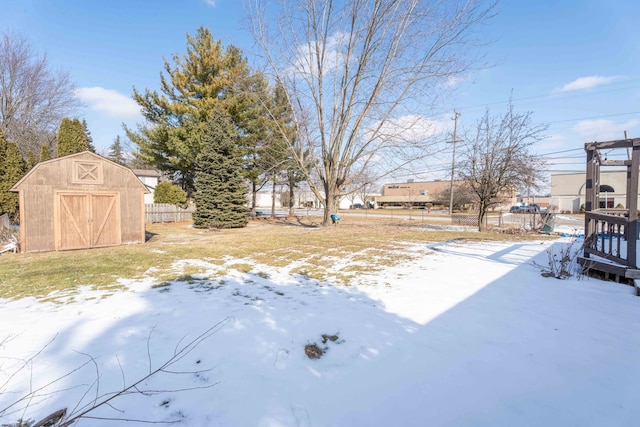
column 31, row 160
column 284, row 149
column 12, row 169
column 87, row 136
column 3, row 155
column 115, row 152
column 207, row 78
column 221, row 195
column 255, row 122
column 72, row 137
column 45, row 153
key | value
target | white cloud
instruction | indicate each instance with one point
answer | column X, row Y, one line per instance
column 110, row 102
column 408, row 128
column 590, row 82
column 306, row 61
column 453, row 82
column 602, row 129
column 211, row 3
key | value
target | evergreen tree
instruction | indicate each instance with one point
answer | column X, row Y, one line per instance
column 3, row 154
column 115, row 152
column 72, row 137
column 221, row 195
column 254, row 119
column 45, row 153
column 285, row 150
column 87, row 136
column 12, row 168
column 137, row 163
column 207, row 78
column 31, row 160
column 268, row 135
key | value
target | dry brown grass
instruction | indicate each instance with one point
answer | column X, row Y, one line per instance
column 300, row 244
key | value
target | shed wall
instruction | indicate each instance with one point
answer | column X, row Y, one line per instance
column 84, row 173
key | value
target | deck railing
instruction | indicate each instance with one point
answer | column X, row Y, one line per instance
column 606, row 234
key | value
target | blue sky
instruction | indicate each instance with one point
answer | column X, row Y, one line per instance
column 574, row 64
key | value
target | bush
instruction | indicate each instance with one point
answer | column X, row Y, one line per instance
column 563, row 259
column 168, row 192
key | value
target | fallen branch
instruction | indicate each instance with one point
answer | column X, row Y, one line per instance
column 65, row 418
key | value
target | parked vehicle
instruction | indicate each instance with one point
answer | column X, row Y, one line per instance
column 532, row 208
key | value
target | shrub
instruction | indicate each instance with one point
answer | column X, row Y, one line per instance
column 563, row 259
column 168, row 192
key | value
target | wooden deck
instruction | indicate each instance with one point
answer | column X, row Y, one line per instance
column 611, row 235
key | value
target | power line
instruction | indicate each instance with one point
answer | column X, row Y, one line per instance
column 596, row 117
column 560, row 152
column 623, row 85
column 558, row 95
column 562, row 157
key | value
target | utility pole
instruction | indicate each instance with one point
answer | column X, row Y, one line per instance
column 453, row 159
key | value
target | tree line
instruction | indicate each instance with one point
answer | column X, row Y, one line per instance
column 73, row 136
column 345, row 85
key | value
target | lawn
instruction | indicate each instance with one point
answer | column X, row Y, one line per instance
column 234, row 327
column 369, row 242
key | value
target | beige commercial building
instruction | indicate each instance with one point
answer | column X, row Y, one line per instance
column 425, row 194
column 568, row 190
column 414, row 194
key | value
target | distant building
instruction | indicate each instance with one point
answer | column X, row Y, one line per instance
column 568, row 190
column 425, row 194
column 150, row 178
column 415, row 194
column 305, row 198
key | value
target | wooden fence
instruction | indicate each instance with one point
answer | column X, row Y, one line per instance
column 164, row 212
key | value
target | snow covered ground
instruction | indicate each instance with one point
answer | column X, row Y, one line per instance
column 466, row 334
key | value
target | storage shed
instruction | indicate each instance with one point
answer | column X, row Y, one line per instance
column 80, row 201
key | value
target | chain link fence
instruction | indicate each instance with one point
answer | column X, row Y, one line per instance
column 467, row 220
column 522, row 220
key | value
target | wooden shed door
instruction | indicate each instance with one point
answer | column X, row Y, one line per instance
column 88, row 220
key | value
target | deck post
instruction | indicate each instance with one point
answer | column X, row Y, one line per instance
column 589, row 194
column 632, row 205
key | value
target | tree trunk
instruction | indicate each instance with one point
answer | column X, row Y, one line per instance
column 329, row 203
column 273, row 198
column 291, row 199
column 254, row 199
column 481, row 217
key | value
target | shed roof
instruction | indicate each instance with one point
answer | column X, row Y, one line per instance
column 16, row 187
column 147, row 172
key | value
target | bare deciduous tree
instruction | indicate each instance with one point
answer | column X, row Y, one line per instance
column 362, row 74
column 367, row 184
column 33, row 98
column 497, row 158
column 463, row 196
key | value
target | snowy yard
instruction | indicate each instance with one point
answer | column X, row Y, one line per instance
column 468, row 334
